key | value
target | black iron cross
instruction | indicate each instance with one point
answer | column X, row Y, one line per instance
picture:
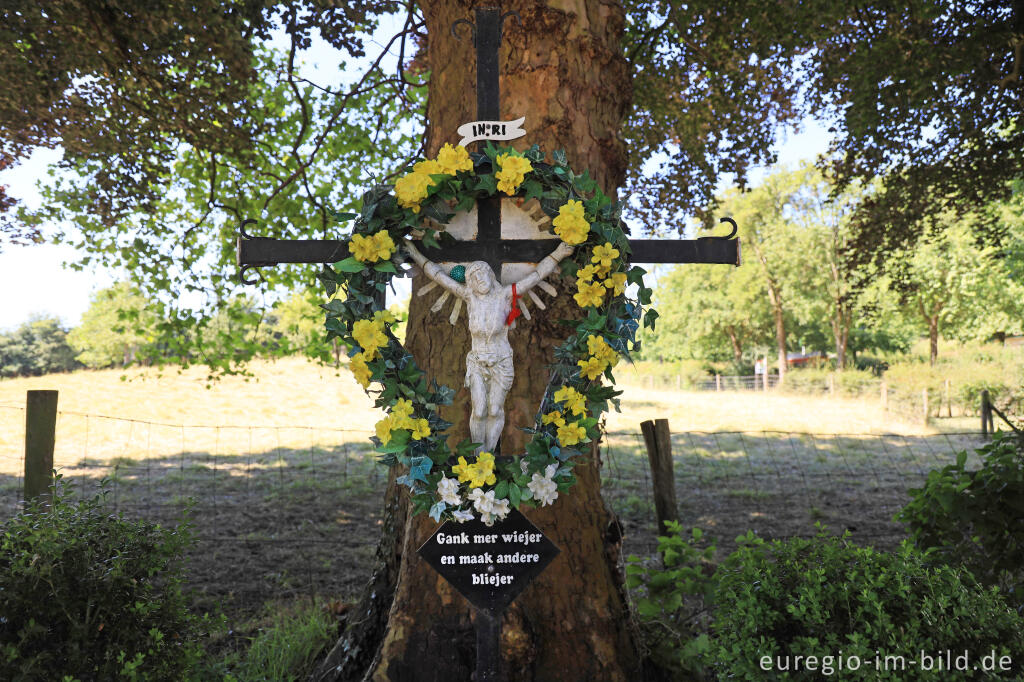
column 488, row 245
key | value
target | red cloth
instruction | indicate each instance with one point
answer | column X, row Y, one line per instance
column 515, row 311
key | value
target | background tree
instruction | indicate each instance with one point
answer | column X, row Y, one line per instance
column 951, row 283
column 117, row 324
column 710, row 313
column 37, row 347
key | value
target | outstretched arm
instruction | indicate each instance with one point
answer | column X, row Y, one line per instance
column 434, row 271
column 544, row 268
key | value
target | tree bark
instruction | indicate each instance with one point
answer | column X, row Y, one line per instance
column 561, row 68
column 734, row 339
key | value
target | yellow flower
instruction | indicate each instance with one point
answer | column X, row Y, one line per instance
column 604, row 255
column 483, row 472
column 402, row 408
column 462, row 470
column 384, row 317
column 570, row 224
column 600, row 349
column 617, row 283
column 383, row 429
column 573, row 399
column 592, row 367
column 513, row 170
column 383, row 245
column 370, row 336
column 420, row 429
column 454, row 159
column 601, row 270
column 477, row 474
column 589, row 294
column 553, row 417
column 586, row 274
column 357, row 363
column 362, row 248
column 571, row 434
column 411, row 189
column 429, row 167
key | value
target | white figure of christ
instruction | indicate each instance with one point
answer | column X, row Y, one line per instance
column 489, row 369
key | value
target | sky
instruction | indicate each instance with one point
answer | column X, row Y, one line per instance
column 35, row 280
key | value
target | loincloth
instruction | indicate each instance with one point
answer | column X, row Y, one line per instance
column 493, row 367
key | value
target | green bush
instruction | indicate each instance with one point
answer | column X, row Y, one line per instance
column 827, row 597
column 976, row 518
column 85, row 595
column 672, row 599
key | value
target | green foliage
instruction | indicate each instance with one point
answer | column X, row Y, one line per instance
column 89, row 596
column 672, row 599
column 37, row 347
column 116, row 326
column 976, row 518
column 287, row 649
column 824, row 595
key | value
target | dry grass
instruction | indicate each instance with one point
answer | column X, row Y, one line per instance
column 293, row 403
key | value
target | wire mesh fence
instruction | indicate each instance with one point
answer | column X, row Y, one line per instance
column 280, row 512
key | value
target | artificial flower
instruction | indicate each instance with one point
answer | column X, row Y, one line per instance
column 363, row 248
column 489, row 508
column 370, row 337
column 383, row 429
column 362, row 373
column 570, row 224
column 592, row 367
column 554, row 417
column 571, row 434
column 600, row 349
column 411, row 189
column 462, row 515
column 454, row 159
column 591, row 294
column 586, row 273
column 604, row 254
column 617, row 283
column 572, row 399
column 420, row 429
column 383, row 245
column 544, row 489
column 512, row 171
column 448, row 490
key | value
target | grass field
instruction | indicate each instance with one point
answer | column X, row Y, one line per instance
column 285, row 495
column 297, row 404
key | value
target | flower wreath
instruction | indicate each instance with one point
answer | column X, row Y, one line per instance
column 458, row 484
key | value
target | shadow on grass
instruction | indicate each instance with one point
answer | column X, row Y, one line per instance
column 269, row 526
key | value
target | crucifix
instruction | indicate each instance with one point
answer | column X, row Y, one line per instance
column 480, row 230
column 512, row 247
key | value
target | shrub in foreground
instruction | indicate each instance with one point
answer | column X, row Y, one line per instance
column 827, row 597
column 86, row 595
column 976, row 518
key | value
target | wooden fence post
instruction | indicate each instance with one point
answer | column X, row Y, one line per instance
column 985, row 413
column 885, row 396
column 949, row 401
column 924, row 398
column 658, row 439
column 718, row 383
column 40, row 428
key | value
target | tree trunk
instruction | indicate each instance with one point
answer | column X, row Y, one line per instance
column 562, row 69
column 933, row 339
column 734, row 339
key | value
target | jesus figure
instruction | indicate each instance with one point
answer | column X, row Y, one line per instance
column 489, row 306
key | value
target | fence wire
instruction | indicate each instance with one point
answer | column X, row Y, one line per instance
column 280, row 512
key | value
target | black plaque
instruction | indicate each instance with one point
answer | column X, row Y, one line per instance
column 489, row 565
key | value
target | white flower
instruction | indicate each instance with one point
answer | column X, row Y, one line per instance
column 448, row 489
column 462, row 515
column 550, row 471
column 489, row 508
column 523, row 465
column 544, row 489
